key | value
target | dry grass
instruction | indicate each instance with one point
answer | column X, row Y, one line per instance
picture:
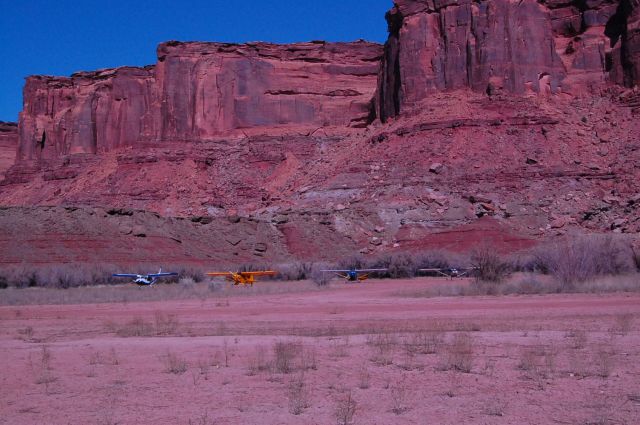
column 490, row 267
column 165, row 324
column 538, row 364
column 346, row 408
column 175, row 364
column 340, row 347
column 203, row 419
column 285, row 353
column 82, row 274
column 383, row 346
column 399, row 395
column 458, row 354
column 295, row 271
column 257, row 361
column 43, row 371
column 136, row 327
column 287, row 357
column 623, row 323
column 298, row 394
column 579, row 259
column 528, row 284
column 577, row 338
column 364, row 378
column 603, row 359
column 425, row 342
column 126, row 292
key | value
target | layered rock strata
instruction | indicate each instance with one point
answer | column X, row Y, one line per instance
column 200, row 91
column 8, row 145
column 519, row 47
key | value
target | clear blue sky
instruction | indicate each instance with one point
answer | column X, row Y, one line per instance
column 61, row 37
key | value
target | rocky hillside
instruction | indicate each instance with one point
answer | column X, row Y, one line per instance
column 496, row 120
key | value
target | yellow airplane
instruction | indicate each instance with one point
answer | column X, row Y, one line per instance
column 243, row 278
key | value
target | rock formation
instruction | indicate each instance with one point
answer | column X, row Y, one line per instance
column 520, row 47
column 480, row 120
column 8, row 145
column 200, row 91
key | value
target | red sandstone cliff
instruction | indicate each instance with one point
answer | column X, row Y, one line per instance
column 511, row 123
column 525, row 46
column 200, row 91
column 8, row 146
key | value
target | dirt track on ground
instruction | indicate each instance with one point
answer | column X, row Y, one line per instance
column 532, row 359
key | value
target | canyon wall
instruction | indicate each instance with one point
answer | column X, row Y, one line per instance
column 514, row 46
column 8, row 145
column 200, row 91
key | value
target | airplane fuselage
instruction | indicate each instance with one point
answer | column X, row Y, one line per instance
column 144, row 281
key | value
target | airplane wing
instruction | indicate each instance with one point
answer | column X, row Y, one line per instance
column 219, row 274
column 336, row 271
column 124, row 275
column 259, row 273
column 163, row 274
column 371, row 270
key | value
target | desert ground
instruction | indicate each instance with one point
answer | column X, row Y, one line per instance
column 379, row 352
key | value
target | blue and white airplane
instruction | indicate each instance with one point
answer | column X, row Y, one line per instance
column 145, row 279
column 354, row 275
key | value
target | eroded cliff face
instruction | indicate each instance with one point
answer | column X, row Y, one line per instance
column 89, row 112
column 514, row 46
column 511, row 124
column 8, row 145
column 200, row 91
column 208, row 89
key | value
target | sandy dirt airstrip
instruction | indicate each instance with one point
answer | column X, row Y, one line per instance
column 289, row 353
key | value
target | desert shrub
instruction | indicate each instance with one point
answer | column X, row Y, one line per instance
column 578, row 338
column 188, row 272
column 397, row 265
column 345, row 409
column 175, row 364
column 296, row 271
column 531, row 283
column 458, row 355
column 635, row 255
column 258, row 362
column 298, row 392
column 581, row 258
column 285, row 353
column 353, row 262
column 527, row 262
column 166, row 324
column 252, row 267
column 399, row 398
column 364, row 378
column 437, row 260
column 604, row 361
column 426, row 342
column 136, row 327
column 308, row 358
column 623, row 324
column 383, row 346
column 489, row 266
column 321, row 278
column 58, row 275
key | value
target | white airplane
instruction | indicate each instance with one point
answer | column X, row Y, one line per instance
column 451, row 272
column 145, row 279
